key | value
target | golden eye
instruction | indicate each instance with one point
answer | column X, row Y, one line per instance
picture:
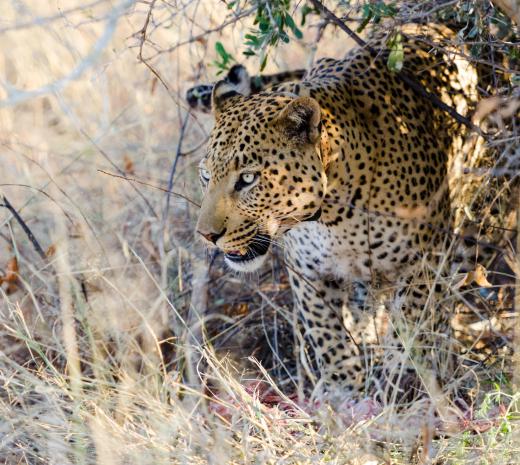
column 204, row 174
column 247, row 178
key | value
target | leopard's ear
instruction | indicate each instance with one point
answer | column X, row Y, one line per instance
column 237, row 82
column 300, row 120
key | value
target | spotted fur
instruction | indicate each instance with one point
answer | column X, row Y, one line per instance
column 347, row 168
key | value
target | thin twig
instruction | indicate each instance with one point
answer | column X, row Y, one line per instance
column 175, row 162
column 119, row 170
column 196, row 148
column 41, row 191
column 142, row 40
column 202, row 35
column 25, row 228
column 409, row 81
column 176, row 194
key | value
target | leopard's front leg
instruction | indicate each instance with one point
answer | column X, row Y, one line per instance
column 419, row 354
column 332, row 330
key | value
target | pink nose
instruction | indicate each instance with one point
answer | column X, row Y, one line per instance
column 211, row 236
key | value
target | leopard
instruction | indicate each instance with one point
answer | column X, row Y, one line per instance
column 345, row 169
column 199, row 97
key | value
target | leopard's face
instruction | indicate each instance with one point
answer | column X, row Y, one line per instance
column 261, row 176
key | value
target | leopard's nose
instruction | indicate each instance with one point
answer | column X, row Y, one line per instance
column 212, row 236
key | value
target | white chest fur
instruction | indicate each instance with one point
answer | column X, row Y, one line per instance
column 320, row 251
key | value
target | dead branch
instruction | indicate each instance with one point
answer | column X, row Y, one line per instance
column 25, row 228
column 409, row 81
column 42, row 192
column 142, row 39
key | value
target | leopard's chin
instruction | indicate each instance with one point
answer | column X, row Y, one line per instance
column 247, row 266
column 253, row 256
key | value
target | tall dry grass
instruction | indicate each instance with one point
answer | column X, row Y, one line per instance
column 120, row 344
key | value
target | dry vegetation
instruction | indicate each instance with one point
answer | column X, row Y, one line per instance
column 121, row 340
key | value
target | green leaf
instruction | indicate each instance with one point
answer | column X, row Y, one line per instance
column 290, row 22
column 225, row 57
column 367, row 16
column 279, row 21
column 263, row 63
column 306, row 10
column 367, row 11
column 253, row 39
column 264, row 25
column 257, row 81
column 375, row 12
column 476, row 50
column 475, row 30
column 505, row 427
column 221, row 50
column 389, row 10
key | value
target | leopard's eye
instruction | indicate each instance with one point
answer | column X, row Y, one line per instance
column 204, row 174
column 245, row 179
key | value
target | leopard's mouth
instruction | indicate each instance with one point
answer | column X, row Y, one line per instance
column 251, row 256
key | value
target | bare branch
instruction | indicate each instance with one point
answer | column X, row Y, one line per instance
column 25, row 228
column 16, row 96
column 142, row 40
column 409, row 81
column 202, row 35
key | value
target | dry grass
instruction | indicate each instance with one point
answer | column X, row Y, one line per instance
column 104, row 357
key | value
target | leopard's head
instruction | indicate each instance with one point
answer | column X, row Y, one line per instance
column 262, row 174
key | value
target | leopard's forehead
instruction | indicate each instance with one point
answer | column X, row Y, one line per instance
column 243, row 127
